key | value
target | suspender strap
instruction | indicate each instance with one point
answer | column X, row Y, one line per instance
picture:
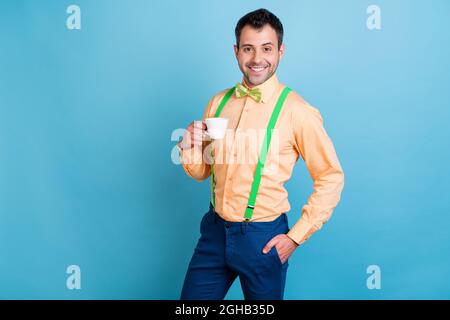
column 263, row 154
column 224, row 101
column 219, row 110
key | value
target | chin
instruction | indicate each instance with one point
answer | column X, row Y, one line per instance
column 258, row 81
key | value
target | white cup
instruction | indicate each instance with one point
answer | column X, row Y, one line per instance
column 216, row 127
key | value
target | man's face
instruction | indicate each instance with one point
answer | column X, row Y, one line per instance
column 258, row 54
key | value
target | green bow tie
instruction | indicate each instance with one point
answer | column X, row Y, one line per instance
column 242, row 91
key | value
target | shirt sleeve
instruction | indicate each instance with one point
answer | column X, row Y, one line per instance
column 317, row 150
column 192, row 160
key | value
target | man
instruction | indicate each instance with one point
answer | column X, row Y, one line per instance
column 245, row 233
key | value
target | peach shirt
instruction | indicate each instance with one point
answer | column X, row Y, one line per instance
column 299, row 132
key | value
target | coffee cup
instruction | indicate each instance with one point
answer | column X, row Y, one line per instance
column 216, row 127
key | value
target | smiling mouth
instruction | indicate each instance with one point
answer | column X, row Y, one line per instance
column 257, row 69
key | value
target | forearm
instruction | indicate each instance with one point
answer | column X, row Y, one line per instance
column 319, row 208
column 193, row 162
column 317, row 150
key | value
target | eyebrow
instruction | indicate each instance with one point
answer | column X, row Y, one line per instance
column 264, row 44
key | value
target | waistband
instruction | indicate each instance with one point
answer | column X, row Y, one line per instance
column 279, row 222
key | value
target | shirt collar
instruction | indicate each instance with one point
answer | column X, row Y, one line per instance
column 267, row 88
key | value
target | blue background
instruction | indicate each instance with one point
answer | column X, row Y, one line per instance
column 86, row 119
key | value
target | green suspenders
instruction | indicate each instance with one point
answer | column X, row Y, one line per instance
column 262, row 156
column 219, row 110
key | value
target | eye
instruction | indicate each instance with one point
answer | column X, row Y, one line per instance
column 247, row 49
column 267, row 49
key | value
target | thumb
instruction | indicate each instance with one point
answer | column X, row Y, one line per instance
column 270, row 244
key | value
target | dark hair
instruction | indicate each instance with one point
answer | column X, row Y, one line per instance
column 258, row 19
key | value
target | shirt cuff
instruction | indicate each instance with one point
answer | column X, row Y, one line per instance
column 301, row 231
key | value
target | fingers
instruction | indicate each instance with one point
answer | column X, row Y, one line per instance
column 284, row 243
column 200, row 125
column 198, row 136
column 285, row 246
column 270, row 244
column 195, row 134
column 197, row 139
column 197, row 124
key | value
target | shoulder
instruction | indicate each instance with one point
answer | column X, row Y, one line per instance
column 221, row 94
column 300, row 108
column 215, row 101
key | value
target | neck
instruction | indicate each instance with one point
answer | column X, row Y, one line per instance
column 251, row 85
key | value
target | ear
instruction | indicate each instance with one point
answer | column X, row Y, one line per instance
column 236, row 50
column 281, row 51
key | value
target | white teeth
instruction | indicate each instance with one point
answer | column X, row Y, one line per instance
column 257, row 68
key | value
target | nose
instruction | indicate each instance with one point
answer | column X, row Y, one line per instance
column 257, row 57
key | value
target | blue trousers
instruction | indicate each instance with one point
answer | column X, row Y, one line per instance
column 227, row 250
